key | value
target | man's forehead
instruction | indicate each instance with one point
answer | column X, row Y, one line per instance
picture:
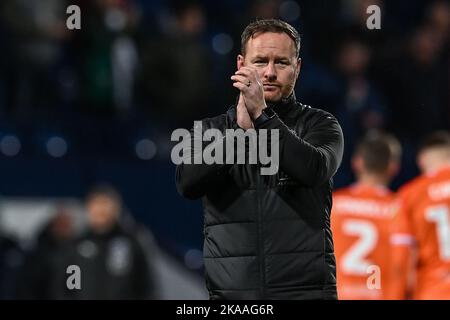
column 270, row 41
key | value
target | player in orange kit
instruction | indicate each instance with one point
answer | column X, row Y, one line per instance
column 360, row 219
column 421, row 239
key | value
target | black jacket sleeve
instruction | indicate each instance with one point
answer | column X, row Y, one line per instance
column 193, row 180
column 315, row 158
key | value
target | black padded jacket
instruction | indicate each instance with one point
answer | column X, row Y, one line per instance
column 268, row 236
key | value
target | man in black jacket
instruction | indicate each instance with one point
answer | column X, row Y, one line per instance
column 109, row 254
column 268, row 236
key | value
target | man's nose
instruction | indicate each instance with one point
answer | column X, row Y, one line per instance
column 270, row 73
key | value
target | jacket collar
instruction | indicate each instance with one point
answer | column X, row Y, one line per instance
column 283, row 106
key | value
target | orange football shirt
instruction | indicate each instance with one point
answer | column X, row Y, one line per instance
column 360, row 221
column 424, row 217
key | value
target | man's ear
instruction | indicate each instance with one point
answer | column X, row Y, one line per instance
column 240, row 61
column 421, row 161
column 357, row 163
column 298, row 67
column 393, row 169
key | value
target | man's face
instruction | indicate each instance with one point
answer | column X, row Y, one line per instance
column 102, row 212
column 273, row 56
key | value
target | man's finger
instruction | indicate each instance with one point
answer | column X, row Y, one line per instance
column 244, row 71
column 240, row 78
column 250, row 73
column 242, row 87
column 249, row 70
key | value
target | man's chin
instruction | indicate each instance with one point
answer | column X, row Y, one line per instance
column 272, row 98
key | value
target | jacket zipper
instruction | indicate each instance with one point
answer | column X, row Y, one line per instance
column 262, row 262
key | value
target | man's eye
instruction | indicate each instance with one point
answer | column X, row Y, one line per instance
column 284, row 63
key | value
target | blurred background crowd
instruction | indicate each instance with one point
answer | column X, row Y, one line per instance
column 98, row 105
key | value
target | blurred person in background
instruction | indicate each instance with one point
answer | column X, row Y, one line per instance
column 352, row 19
column 108, row 56
column 361, row 219
column 438, row 16
column 44, row 274
column 175, row 76
column 112, row 261
column 415, row 82
column 12, row 257
column 419, row 88
column 439, row 20
column 358, row 106
column 35, row 33
column 420, row 259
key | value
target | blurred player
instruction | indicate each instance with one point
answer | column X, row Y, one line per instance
column 361, row 216
column 421, row 239
column 113, row 262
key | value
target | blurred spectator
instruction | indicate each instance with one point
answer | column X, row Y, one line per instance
column 418, row 88
column 439, row 20
column 359, row 105
column 108, row 55
column 353, row 20
column 416, row 85
column 265, row 9
column 175, row 78
column 361, row 101
column 112, row 261
column 11, row 262
column 36, row 33
column 44, row 274
column 438, row 16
